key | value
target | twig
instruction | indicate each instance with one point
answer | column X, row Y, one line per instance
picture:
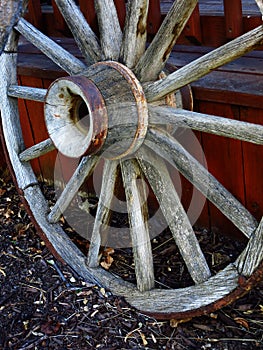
column 213, row 340
column 60, row 273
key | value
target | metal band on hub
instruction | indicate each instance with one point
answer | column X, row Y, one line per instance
column 107, row 101
column 76, row 116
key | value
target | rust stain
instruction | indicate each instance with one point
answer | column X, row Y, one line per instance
column 141, row 104
column 142, row 23
column 244, row 286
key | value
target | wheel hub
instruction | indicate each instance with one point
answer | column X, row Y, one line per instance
column 81, row 112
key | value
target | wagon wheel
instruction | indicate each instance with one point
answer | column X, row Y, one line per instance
column 125, row 127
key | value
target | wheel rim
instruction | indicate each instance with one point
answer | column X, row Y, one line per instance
column 226, row 285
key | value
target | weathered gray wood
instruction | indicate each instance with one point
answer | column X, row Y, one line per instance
column 190, row 298
column 83, row 34
column 27, row 93
column 252, row 256
column 138, row 220
column 10, row 11
column 11, row 126
column 180, row 300
column 103, row 211
column 205, row 64
column 84, row 169
column 110, row 30
column 157, row 54
column 235, row 129
column 73, row 133
column 160, row 181
column 66, row 249
column 51, row 49
column 156, row 300
column 171, row 150
column 135, row 32
column 126, row 107
column 260, row 5
column 37, row 150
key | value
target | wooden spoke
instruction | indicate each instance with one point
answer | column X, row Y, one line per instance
column 56, row 53
column 207, row 123
column 260, row 5
column 121, row 121
column 83, row 34
column 37, row 150
column 135, row 32
column 252, row 256
column 138, row 219
column 27, row 93
column 84, row 169
column 103, row 211
column 154, row 59
column 10, row 120
column 171, row 150
column 205, row 64
column 110, row 30
column 10, row 12
column 158, row 176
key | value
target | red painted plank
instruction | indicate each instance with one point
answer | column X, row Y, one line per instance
column 59, row 23
column 192, row 31
column 35, row 128
column 26, row 126
column 194, row 202
column 88, row 10
column 35, row 13
column 253, row 165
column 225, row 162
column 233, row 18
column 121, row 11
column 154, row 17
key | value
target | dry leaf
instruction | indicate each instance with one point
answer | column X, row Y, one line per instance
column 108, row 259
column 242, row 322
column 50, row 327
column 2, row 191
column 107, row 263
column 174, row 323
column 143, row 339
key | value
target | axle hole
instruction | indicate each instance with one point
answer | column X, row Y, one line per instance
column 81, row 115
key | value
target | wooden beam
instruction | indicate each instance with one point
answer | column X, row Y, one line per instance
column 235, row 129
column 153, row 61
column 205, row 64
column 160, row 181
column 135, row 32
column 85, row 38
column 138, row 220
column 110, row 31
column 50, row 48
column 103, row 211
column 84, row 169
column 171, row 150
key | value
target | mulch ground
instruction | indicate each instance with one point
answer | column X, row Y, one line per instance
column 45, row 305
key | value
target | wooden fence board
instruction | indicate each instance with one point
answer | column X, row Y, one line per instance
column 225, row 162
column 253, row 165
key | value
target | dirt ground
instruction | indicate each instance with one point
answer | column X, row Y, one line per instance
column 45, row 305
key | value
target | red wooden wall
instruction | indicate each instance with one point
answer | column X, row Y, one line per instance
column 238, row 165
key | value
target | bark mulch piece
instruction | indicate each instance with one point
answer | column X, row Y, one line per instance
column 45, row 305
